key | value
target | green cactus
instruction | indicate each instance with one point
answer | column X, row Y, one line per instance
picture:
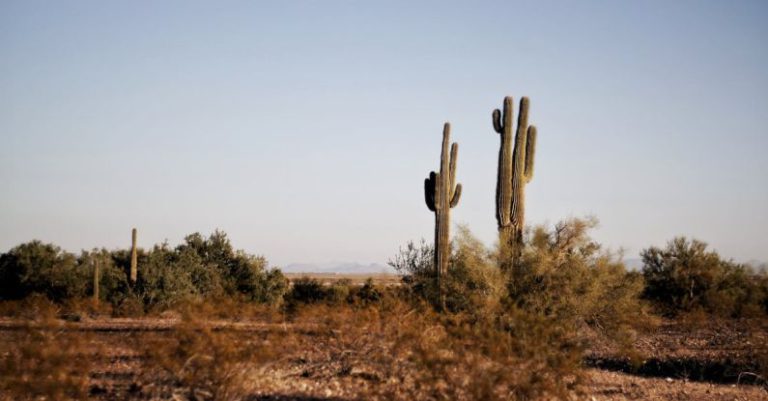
column 515, row 171
column 96, row 281
column 442, row 193
column 134, row 258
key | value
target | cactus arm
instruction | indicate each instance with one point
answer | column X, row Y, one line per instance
column 456, row 196
column 437, row 191
column 508, row 112
column 445, row 160
column 518, row 155
column 496, row 116
column 429, row 191
column 452, row 166
column 530, row 153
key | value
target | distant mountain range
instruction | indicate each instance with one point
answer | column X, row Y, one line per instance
column 337, row 267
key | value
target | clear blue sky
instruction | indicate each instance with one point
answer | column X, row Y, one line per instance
column 305, row 129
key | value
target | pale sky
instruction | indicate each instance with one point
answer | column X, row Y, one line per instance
column 305, row 129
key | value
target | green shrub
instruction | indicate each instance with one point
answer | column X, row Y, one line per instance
column 306, row 290
column 200, row 268
column 474, row 283
column 220, row 268
column 368, row 293
column 35, row 267
column 339, row 291
column 164, row 279
column 685, row 276
column 113, row 281
column 564, row 274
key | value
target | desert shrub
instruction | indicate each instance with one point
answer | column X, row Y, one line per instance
column 113, row 281
column 685, row 276
column 200, row 268
column 129, row 306
column 33, row 307
column 406, row 351
column 565, row 275
column 222, row 269
column 35, row 267
column 306, row 290
column 562, row 274
column 472, row 283
column 164, row 279
column 415, row 264
column 339, row 291
column 367, row 294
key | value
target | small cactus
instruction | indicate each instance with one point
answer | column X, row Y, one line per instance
column 515, row 171
column 134, row 258
column 95, row 281
column 442, row 193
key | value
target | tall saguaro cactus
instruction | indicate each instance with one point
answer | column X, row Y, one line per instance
column 442, row 193
column 515, row 171
column 96, row 281
column 134, row 258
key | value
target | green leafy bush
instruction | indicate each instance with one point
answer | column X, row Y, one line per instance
column 685, row 276
column 306, row 290
column 200, row 268
column 35, row 267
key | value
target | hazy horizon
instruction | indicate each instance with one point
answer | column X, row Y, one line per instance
column 304, row 130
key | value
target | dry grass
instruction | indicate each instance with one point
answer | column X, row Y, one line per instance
column 389, row 350
column 202, row 362
column 46, row 362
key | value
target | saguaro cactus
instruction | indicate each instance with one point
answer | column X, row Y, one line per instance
column 96, row 281
column 515, row 171
column 134, row 258
column 442, row 193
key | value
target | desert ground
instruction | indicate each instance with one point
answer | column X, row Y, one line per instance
column 269, row 356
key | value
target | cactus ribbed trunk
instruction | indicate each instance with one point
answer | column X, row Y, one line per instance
column 134, row 258
column 516, row 156
column 442, row 193
column 96, row 281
